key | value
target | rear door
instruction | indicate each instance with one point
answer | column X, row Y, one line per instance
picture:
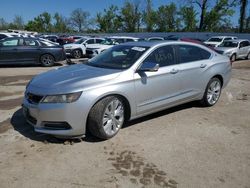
column 30, row 50
column 9, row 50
column 194, row 62
column 244, row 49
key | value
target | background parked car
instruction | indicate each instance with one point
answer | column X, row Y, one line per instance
column 95, row 49
column 24, row 50
column 217, row 40
column 78, row 48
column 235, row 49
column 5, row 35
column 124, row 39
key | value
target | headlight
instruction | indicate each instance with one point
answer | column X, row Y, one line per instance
column 64, row 98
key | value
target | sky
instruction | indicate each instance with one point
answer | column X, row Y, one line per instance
column 29, row 9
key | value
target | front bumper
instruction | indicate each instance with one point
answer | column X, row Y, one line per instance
column 68, row 51
column 65, row 120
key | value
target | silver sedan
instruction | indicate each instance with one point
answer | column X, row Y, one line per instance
column 123, row 83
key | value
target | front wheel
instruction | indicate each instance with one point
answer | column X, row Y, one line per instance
column 47, row 60
column 233, row 58
column 248, row 56
column 212, row 92
column 77, row 54
column 106, row 117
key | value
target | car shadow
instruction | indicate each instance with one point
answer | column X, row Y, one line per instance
column 19, row 124
column 194, row 104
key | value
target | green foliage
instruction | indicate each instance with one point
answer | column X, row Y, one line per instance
column 167, row 18
column 130, row 17
column 41, row 23
column 61, row 24
column 219, row 15
column 149, row 16
column 109, row 21
column 188, row 18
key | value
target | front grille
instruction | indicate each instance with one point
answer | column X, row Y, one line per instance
column 68, row 51
column 219, row 51
column 90, row 52
column 34, row 99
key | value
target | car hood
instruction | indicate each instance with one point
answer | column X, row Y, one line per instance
column 72, row 46
column 97, row 46
column 70, row 79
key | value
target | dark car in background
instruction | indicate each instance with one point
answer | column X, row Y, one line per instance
column 23, row 50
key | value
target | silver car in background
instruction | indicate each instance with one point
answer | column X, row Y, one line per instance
column 125, row 82
column 235, row 49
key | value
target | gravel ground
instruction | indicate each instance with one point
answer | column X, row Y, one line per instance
column 186, row 146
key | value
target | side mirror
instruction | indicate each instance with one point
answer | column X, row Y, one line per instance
column 148, row 67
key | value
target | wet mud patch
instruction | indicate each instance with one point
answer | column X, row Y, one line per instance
column 9, row 79
column 129, row 164
column 5, row 126
column 10, row 103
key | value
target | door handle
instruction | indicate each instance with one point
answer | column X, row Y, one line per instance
column 203, row 65
column 174, row 71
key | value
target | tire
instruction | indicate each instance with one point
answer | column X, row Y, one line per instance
column 47, row 60
column 248, row 56
column 106, row 117
column 212, row 92
column 77, row 54
column 233, row 57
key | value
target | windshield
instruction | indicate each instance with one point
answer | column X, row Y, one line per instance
column 215, row 39
column 229, row 44
column 118, row 57
column 80, row 41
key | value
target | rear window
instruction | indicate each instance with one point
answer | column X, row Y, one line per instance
column 47, row 43
column 215, row 39
column 188, row 53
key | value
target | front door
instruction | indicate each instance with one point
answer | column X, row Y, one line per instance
column 9, row 51
column 156, row 90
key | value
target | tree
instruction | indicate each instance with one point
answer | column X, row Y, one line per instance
column 167, row 18
column 41, row 23
column 17, row 23
column 188, row 17
column 242, row 20
column 130, row 16
column 202, row 4
column 3, row 24
column 60, row 25
column 149, row 16
column 109, row 21
column 79, row 19
column 219, row 15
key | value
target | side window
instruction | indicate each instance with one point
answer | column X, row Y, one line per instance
column 30, row 42
column 164, row 56
column 228, row 38
column 90, row 41
column 10, row 42
column 189, row 53
column 130, row 40
column 244, row 44
column 2, row 36
column 98, row 41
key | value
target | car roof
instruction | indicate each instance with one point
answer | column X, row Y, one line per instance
column 238, row 40
column 222, row 36
column 156, row 43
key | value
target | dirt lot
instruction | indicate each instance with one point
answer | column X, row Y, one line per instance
column 185, row 147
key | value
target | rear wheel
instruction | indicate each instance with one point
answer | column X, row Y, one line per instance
column 212, row 93
column 106, row 117
column 77, row 54
column 47, row 60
